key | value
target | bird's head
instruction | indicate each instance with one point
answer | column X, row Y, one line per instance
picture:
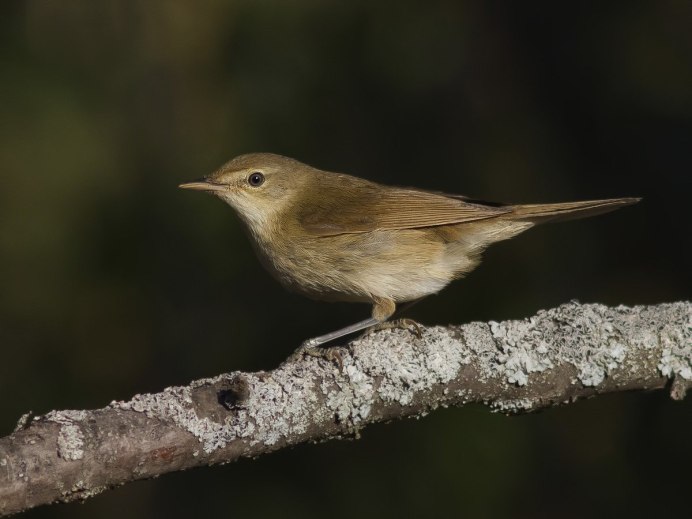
column 259, row 186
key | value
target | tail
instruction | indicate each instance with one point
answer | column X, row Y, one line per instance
column 539, row 213
column 463, row 253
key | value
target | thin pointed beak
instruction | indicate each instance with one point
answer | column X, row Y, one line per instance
column 203, row 184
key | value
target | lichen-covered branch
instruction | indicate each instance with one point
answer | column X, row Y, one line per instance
column 552, row 358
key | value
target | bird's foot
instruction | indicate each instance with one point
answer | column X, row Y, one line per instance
column 311, row 348
column 403, row 324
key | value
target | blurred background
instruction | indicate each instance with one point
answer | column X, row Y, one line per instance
column 114, row 282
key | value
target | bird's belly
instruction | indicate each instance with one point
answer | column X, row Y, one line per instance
column 400, row 265
column 402, row 286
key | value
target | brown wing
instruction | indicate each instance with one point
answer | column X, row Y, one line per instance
column 359, row 206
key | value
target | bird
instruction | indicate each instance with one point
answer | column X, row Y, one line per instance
column 337, row 237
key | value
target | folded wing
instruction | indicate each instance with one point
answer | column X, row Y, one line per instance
column 368, row 207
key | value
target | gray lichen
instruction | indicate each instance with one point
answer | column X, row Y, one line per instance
column 70, row 436
column 555, row 357
column 675, row 359
column 407, row 371
column 175, row 404
column 276, row 407
column 595, row 339
column 391, row 368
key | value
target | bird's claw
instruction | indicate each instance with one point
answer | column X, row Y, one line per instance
column 404, row 324
column 308, row 348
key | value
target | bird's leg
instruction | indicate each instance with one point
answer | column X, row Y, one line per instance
column 382, row 309
column 312, row 347
column 327, row 337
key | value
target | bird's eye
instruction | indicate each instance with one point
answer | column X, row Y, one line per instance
column 256, row 179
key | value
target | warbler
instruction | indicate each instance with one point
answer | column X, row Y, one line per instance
column 337, row 237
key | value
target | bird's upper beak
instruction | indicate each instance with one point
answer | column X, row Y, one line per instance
column 203, row 184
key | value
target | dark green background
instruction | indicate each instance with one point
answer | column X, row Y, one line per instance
column 112, row 281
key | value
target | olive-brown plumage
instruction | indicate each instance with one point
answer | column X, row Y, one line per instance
column 342, row 238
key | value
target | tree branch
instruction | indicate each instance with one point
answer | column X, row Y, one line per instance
column 552, row 358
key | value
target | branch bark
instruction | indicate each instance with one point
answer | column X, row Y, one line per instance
column 555, row 357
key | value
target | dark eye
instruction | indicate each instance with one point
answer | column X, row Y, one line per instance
column 256, row 179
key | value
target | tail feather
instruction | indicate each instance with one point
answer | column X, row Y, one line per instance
column 539, row 213
column 465, row 242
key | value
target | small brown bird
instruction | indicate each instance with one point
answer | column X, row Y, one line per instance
column 336, row 237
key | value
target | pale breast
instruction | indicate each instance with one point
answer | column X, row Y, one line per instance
column 401, row 265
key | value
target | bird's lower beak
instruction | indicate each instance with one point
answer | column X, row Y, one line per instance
column 203, row 184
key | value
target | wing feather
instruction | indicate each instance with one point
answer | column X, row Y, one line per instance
column 365, row 207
